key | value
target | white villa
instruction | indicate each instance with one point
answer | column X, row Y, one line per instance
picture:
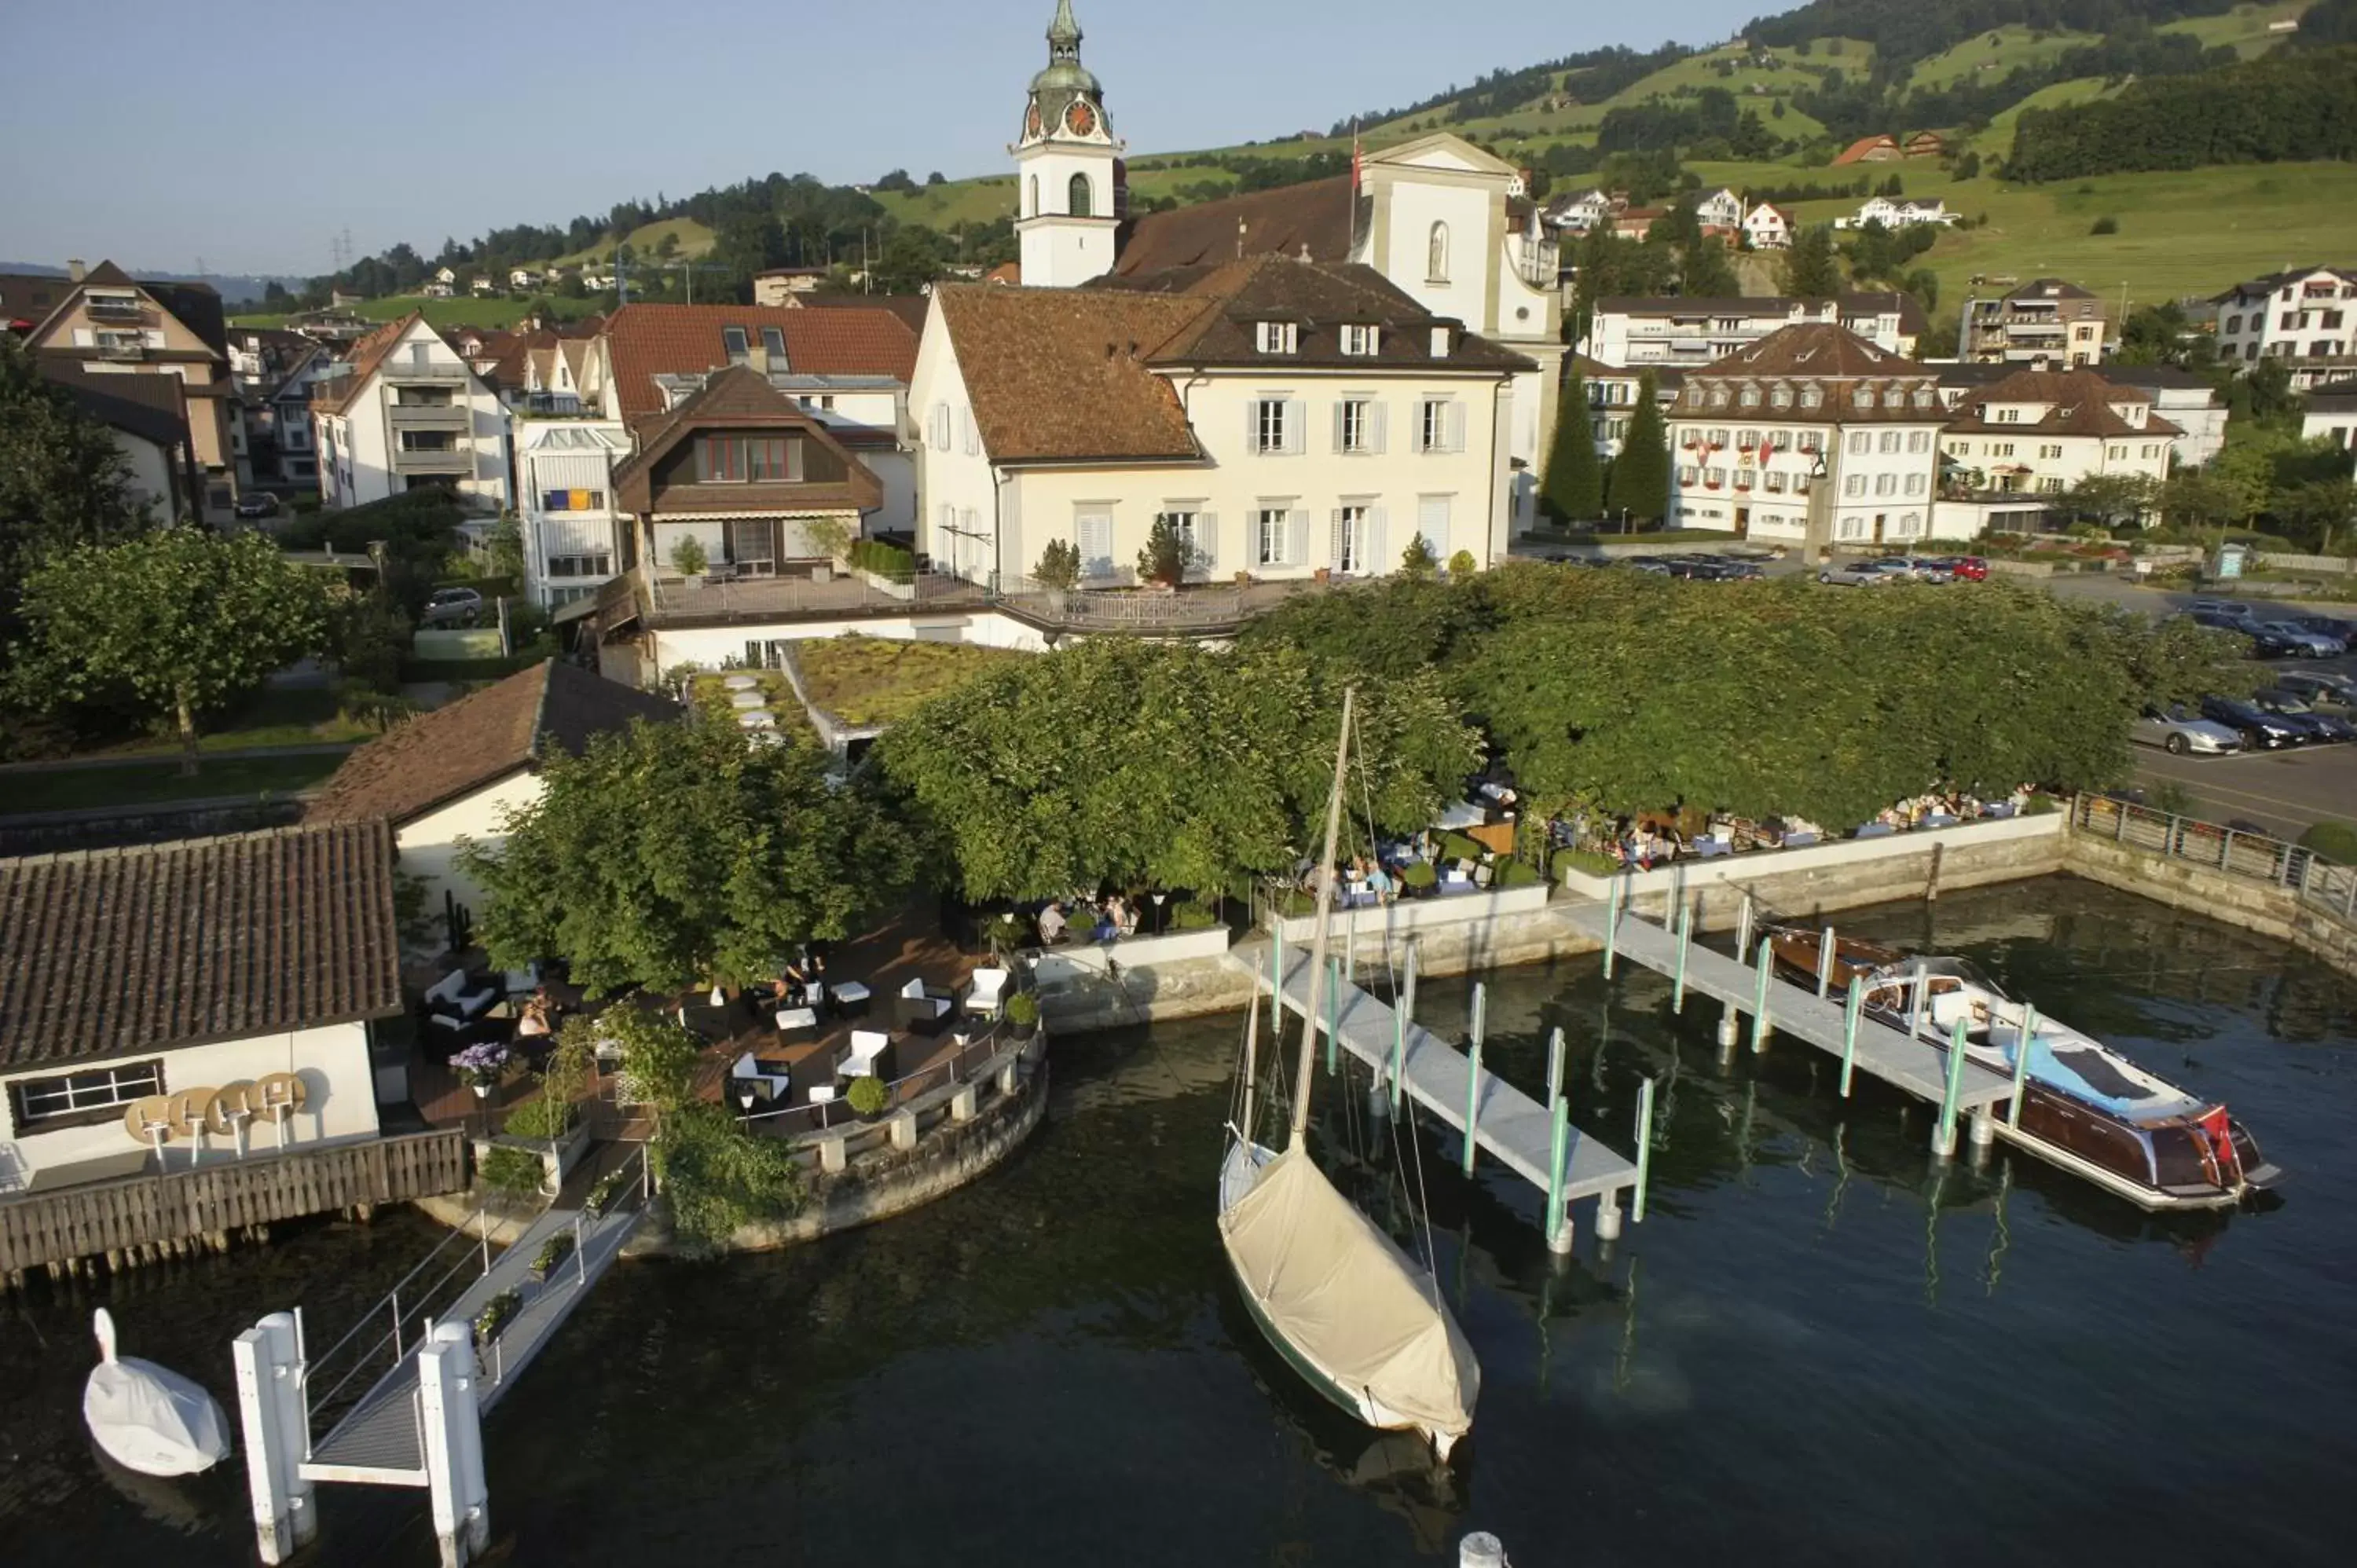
column 1768, row 227
column 2036, row 433
column 1898, row 213
column 406, row 413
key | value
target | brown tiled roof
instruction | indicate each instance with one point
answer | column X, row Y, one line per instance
column 1063, row 372
column 1834, row 360
column 1314, row 217
column 1862, row 147
column 1319, row 300
column 368, row 352
column 644, row 341
column 438, row 756
column 910, row 308
column 31, row 296
column 1874, row 302
column 2081, row 406
column 106, row 951
column 740, row 398
column 150, row 407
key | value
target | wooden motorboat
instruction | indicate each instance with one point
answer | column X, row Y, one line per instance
column 2084, row 1107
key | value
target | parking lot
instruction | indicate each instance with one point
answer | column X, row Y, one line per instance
column 2287, row 792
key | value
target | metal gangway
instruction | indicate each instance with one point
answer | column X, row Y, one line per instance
column 398, row 1399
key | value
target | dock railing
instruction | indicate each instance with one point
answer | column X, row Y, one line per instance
column 2324, row 885
column 799, row 1122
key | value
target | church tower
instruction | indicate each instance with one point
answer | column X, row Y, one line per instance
column 1068, row 169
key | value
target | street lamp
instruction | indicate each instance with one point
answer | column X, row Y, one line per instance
column 745, row 1099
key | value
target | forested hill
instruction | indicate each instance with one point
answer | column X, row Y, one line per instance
column 1906, row 31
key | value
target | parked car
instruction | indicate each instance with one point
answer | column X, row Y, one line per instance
column 2320, row 726
column 2330, row 626
column 1653, row 564
column 256, row 503
column 1856, row 575
column 2260, row 730
column 2216, row 622
column 2320, row 688
column 2234, row 608
column 1727, row 571
column 2301, row 640
column 1689, row 567
column 1924, row 568
column 1963, row 568
column 2177, row 730
column 452, row 607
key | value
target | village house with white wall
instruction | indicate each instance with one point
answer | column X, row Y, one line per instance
column 233, row 1018
column 407, row 413
column 2305, row 317
column 2018, row 445
column 1694, row 331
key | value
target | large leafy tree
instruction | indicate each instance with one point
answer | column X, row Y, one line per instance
column 1575, row 480
column 1163, row 765
column 62, row 480
column 671, row 855
column 1640, row 481
column 177, row 623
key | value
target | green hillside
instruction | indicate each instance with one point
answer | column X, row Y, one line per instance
column 691, row 240
column 1997, row 140
column 1994, row 54
column 501, row 310
column 2244, row 29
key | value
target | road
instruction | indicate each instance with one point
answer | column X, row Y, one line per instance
column 2287, row 792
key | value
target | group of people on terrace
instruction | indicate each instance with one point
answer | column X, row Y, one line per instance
column 1095, row 919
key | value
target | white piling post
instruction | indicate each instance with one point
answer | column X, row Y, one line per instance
column 453, row 1432
column 1743, row 931
column 1826, row 962
column 268, row 1362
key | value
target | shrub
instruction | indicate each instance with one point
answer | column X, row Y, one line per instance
column 1059, row 564
column 1462, row 565
column 687, row 558
column 867, row 1095
column 1418, row 560
column 543, row 1116
column 515, row 1172
column 2105, row 225
column 603, row 1192
column 1022, row 1011
column 497, row 1314
column 1516, row 874
column 553, row 1251
column 884, row 560
column 1419, row 876
column 2042, row 806
column 1588, row 861
column 1163, row 559
column 717, row 1178
column 1194, row 915
column 2334, row 841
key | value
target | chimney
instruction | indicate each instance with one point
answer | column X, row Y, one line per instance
column 75, row 271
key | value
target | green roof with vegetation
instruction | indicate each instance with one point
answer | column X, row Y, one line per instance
column 871, row 681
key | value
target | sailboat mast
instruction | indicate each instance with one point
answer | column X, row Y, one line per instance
column 1326, row 880
column 1251, row 1067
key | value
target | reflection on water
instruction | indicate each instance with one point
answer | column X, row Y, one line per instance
column 1822, row 1346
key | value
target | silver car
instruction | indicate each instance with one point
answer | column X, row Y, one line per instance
column 1858, row 573
column 2177, row 730
column 2232, row 608
column 2315, row 644
column 2321, row 689
column 1924, row 568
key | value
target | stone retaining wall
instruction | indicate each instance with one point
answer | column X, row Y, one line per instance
column 2238, row 900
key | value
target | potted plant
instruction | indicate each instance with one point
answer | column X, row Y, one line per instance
column 552, row 1255
column 688, row 559
column 602, row 1193
column 481, row 1066
column 497, row 1314
column 1418, row 560
column 867, row 1097
column 1163, row 562
column 1462, row 565
column 1058, row 571
column 1023, row 1015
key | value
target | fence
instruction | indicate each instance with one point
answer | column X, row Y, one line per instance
column 1192, row 608
column 143, row 1211
column 2320, row 885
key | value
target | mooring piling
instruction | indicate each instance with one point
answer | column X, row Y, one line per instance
column 1473, row 1075
column 1826, row 962
column 1644, row 1148
column 1851, row 1010
column 1686, row 940
column 1759, row 1026
column 2021, row 1043
column 1943, row 1138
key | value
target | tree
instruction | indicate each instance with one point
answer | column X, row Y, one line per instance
column 2318, row 513
column 369, row 634
column 1059, row 564
column 1809, row 269
column 936, row 179
column 1639, row 483
column 1163, row 765
column 176, row 624
column 62, row 480
column 2110, row 498
column 898, row 179
column 686, row 854
column 1163, row 560
column 1968, row 166
column 1573, row 487
column 505, row 548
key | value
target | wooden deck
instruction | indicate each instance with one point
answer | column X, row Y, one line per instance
column 1516, row 1129
column 1916, row 1066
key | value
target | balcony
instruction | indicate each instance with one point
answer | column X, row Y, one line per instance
column 432, row 416
column 131, row 350
column 439, row 373
column 442, row 460
column 113, row 307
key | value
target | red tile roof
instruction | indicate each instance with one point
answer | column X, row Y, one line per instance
column 644, row 341
column 368, row 352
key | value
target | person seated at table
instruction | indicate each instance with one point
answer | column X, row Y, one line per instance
column 1052, row 925
column 793, row 983
column 1380, row 884
column 1124, row 916
column 534, row 1019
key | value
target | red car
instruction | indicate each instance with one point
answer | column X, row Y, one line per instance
column 1964, row 568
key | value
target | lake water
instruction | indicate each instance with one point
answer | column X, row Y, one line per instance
column 1822, row 1346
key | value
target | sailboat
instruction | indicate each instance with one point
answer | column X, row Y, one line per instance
column 1360, row 1320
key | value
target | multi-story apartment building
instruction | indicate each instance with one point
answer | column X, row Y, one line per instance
column 1812, row 436
column 2305, row 317
column 1612, row 392
column 2047, row 322
column 1694, row 332
column 2331, row 415
column 2036, row 433
column 111, row 324
column 405, row 413
column 1290, row 419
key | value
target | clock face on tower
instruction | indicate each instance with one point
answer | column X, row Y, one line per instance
column 1080, row 119
column 1031, row 120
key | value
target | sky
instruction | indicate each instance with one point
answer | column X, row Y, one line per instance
column 246, row 135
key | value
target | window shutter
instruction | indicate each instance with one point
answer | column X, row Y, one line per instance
column 1375, row 547
column 1341, row 413
column 1096, row 546
column 1297, row 537
column 1455, row 426
column 1297, row 427
column 1252, row 424
column 972, row 435
column 1207, row 539
column 1334, row 541
column 1375, row 426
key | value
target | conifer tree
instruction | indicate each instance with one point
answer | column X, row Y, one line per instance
column 1640, row 481
column 1573, row 487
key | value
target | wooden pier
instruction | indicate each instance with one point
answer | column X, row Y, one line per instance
column 1515, row 1129
column 1869, row 1044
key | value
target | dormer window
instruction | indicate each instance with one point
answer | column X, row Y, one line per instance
column 1863, row 397
column 1278, row 337
column 1440, row 345
column 1750, row 397
column 1719, row 397
column 1812, row 397
column 1922, row 397
column 1361, row 341
column 734, row 341
column 773, row 344
column 1694, row 397
column 1780, row 397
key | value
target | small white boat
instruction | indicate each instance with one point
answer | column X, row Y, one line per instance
column 147, row 1418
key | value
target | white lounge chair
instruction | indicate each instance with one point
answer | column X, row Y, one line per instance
column 987, row 992
column 867, row 1049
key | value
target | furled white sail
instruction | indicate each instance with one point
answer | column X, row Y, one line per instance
column 1335, row 1289
column 149, row 1418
